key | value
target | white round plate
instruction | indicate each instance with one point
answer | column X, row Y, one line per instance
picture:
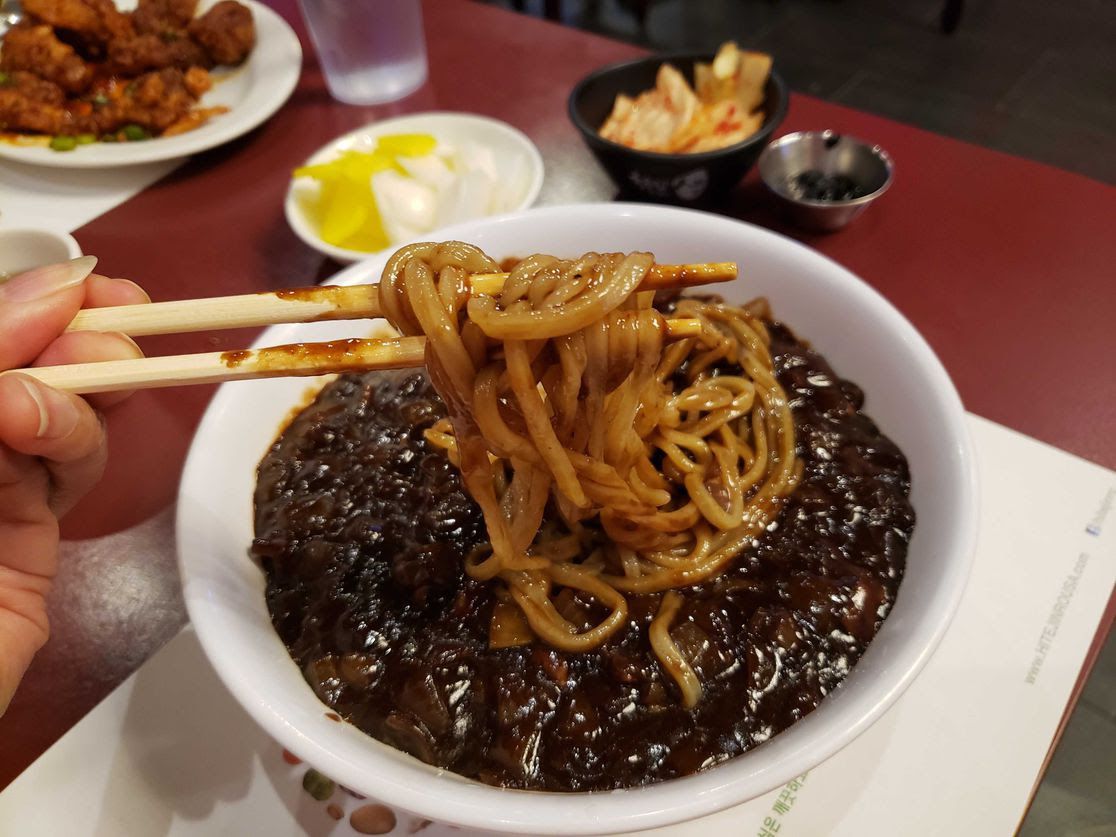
column 251, row 92
column 864, row 337
column 516, row 156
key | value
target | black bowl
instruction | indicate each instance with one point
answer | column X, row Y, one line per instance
column 685, row 179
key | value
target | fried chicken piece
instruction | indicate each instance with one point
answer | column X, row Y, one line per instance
column 69, row 14
column 160, row 99
column 154, row 101
column 34, row 88
column 114, row 23
column 19, row 113
column 97, row 20
column 154, row 17
column 28, row 103
column 227, row 32
column 37, row 50
column 143, row 53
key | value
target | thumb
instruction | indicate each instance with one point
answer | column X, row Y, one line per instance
column 36, row 306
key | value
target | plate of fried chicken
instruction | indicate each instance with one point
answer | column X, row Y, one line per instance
column 97, row 83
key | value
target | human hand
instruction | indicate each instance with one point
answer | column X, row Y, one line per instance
column 52, row 444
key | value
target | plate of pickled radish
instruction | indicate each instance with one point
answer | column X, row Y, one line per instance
column 404, row 178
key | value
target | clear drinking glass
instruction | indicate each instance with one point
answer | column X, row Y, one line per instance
column 371, row 51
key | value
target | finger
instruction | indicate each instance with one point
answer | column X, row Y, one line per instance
column 60, row 428
column 28, row 529
column 103, row 292
column 91, row 347
column 36, row 306
column 28, row 561
column 23, row 626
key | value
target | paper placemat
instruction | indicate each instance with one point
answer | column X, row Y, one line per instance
column 64, row 199
column 171, row 753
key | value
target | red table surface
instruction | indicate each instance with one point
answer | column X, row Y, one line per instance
column 1006, row 266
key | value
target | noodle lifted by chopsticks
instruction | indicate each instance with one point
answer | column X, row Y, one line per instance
column 657, row 465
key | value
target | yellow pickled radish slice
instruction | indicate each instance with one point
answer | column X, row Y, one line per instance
column 345, row 208
column 351, row 165
column 407, row 145
column 371, row 236
column 358, row 164
column 322, row 171
column 346, row 212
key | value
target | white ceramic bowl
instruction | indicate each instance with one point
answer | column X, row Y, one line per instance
column 515, row 155
column 24, row 248
column 908, row 393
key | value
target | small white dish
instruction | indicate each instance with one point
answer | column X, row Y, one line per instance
column 252, row 93
column 909, row 394
column 512, row 150
column 23, row 249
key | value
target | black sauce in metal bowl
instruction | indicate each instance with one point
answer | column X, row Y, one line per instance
column 813, row 185
column 362, row 527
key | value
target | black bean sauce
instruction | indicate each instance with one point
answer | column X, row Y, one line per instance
column 362, row 527
column 815, row 186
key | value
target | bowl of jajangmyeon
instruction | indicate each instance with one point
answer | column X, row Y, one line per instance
column 616, row 555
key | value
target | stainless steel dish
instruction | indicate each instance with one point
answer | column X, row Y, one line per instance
column 831, row 154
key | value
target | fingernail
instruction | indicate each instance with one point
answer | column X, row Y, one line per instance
column 47, row 280
column 124, row 338
column 57, row 414
column 146, row 295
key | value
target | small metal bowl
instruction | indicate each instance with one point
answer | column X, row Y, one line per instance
column 868, row 166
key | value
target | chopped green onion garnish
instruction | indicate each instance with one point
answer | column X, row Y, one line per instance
column 63, row 142
column 134, row 133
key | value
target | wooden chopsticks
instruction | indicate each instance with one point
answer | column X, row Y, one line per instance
column 291, row 360
column 299, row 359
column 325, row 302
column 296, row 359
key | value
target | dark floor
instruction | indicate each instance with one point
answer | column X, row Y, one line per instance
column 1035, row 78
column 1077, row 797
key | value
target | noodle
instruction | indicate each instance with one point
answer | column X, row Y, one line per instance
column 606, row 461
column 667, row 651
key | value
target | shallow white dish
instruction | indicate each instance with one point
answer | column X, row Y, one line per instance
column 252, row 92
column 908, row 393
column 513, row 151
column 24, row 248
